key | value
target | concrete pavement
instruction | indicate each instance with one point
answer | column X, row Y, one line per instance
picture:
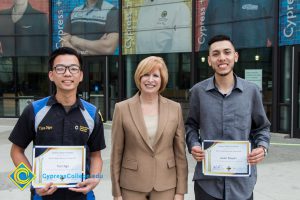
column 278, row 174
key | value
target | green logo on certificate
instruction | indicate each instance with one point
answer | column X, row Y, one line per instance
column 21, row 176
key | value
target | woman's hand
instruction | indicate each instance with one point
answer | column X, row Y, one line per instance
column 178, row 197
column 118, row 198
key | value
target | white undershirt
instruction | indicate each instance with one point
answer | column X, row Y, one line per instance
column 151, row 122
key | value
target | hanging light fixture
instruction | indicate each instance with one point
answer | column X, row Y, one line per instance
column 256, row 57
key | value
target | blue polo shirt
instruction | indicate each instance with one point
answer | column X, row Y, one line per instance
column 46, row 122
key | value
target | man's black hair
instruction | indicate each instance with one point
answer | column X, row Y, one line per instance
column 64, row 51
column 219, row 38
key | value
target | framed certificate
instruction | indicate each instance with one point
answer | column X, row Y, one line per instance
column 226, row 158
column 64, row 166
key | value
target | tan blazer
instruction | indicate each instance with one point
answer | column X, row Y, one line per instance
column 135, row 165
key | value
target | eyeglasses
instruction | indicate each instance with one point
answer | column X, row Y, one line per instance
column 61, row 69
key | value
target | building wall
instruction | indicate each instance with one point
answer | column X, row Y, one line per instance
column 177, row 30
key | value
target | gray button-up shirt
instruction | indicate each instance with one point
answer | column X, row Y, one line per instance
column 237, row 116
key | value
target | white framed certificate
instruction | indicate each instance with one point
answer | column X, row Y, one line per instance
column 226, row 158
column 64, row 166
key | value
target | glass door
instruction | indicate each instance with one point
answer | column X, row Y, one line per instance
column 7, row 88
column 296, row 94
column 93, row 88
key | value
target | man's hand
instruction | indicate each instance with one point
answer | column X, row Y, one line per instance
column 47, row 190
column 256, row 156
column 178, row 197
column 118, row 198
column 86, row 186
column 66, row 37
column 76, row 42
column 66, row 40
column 198, row 153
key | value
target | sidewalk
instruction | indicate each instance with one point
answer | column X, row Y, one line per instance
column 278, row 174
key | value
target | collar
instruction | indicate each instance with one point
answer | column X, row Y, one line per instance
column 237, row 84
column 97, row 5
column 28, row 9
column 52, row 100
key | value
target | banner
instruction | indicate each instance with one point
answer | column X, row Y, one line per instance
column 24, row 28
column 289, row 31
column 160, row 26
column 249, row 23
column 200, row 30
column 90, row 29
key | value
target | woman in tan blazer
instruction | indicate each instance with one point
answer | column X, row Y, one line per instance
column 148, row 159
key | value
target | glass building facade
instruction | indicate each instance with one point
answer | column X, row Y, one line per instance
column 114, row 35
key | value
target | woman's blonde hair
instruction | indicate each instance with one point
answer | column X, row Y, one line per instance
column 146, row 66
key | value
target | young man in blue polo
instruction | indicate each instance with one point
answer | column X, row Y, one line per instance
column 62, row 113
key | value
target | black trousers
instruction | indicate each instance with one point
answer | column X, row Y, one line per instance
column 200, row 194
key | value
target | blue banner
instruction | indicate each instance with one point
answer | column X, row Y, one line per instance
column 289, row 22
column 90, row 29
column 60, row 11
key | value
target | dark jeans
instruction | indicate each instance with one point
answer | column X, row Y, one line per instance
column 200, row 194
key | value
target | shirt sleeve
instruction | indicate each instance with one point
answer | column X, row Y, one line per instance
column 112, row 23
column 192, row 123
column 67, row 24
column 23, row 132
column 96, row 141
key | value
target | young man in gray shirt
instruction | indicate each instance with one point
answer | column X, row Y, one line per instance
column 226, row 107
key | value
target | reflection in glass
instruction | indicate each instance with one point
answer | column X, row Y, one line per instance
column 32, row 76
column 113, row 80
column 96, row 83
column 7, row 106
column 32, row 81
